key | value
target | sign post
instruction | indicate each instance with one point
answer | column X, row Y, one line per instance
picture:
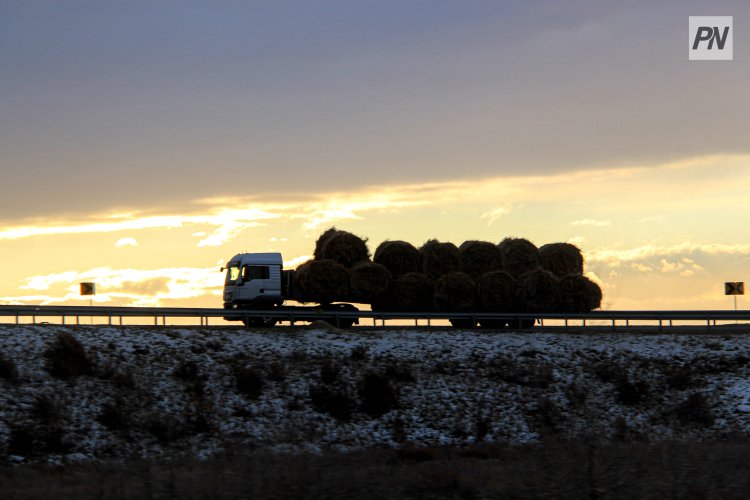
column 734, row 288
column 90, row 290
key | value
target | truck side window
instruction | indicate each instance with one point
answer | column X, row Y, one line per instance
column 250, row 273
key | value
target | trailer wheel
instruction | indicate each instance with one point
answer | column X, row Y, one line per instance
column 263, row 322
column 523, row 323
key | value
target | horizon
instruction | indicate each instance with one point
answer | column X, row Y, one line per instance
column 144, row 145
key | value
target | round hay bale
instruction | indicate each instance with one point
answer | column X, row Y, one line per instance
column 479, row 257
column 345, row 248
column 539, row 291
column 579, row 294
column 498, row 292
column 561, row 259
column 439, row 258
column 368, row 281
column 519, row 256
column 399, row 257
column 455, row 292
column 322, row 281
column 410, row 292
column 321, row 242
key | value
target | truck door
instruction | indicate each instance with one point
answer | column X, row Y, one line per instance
column 254, row 281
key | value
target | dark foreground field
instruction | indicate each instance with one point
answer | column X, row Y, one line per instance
column 707, row 470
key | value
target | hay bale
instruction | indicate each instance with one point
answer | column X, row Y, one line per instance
column 579, row 294
column 539, row 291
column 368, row 281
column 345, row 248
column 479, row 257
column 519, row 256
column 399, row 257
column 410, row 292
column 322, row 281
column 439, row 258
column 561, row 259
column 455, row 292
column 498, row 292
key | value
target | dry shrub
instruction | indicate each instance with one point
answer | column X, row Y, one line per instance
column 249, row 381
column 479, row 257
column 377, row 395
column 519, row 256
column 561, row 259
column 399, row 257
column 695, row 410
column 332, row 400
column 539, row 291
column 368, row 281
column 8, row 370
column 322, row 281
column 455, row 292
column 66, row 358
column 439, row 258
column 498, row 292
column 579, row 294
column 345, row 248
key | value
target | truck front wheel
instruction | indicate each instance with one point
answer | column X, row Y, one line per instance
column 262, row 322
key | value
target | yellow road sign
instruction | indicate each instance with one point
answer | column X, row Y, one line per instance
column 734, row 288
column 88, row 288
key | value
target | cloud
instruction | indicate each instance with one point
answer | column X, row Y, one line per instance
column 495, row 214
column 591, row 222
column 126, row 242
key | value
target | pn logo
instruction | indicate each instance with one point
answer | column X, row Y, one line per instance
column 710, row 38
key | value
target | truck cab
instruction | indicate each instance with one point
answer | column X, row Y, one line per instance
column 253, row 280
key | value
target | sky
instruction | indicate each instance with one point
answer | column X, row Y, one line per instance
column 142, row 144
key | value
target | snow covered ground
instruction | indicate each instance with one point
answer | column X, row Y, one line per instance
column 158, row 392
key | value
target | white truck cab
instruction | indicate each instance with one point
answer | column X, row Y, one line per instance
column 253, row 279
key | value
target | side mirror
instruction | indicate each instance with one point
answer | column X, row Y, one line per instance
column 221, row 269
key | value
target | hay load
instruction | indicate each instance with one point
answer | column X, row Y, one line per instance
column 561, row 259
column 519, row 256
column 345, row 248
column 439, row 258
column 322, row 281
column 579, row 294
column 455, row 292
column 539, row 291
column 479, row 257
column 410, row 292
column 368, row 282
column 399, row 257
column 498, row 292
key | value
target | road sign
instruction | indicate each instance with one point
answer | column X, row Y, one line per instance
column 734, row 288
column 88, row 288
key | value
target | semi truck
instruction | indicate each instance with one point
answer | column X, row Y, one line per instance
column 258, row 281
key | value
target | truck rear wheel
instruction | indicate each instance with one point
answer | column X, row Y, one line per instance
column 493, row 323
column 462, row 323
column 263, row 322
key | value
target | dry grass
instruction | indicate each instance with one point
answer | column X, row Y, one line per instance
column 561, row 470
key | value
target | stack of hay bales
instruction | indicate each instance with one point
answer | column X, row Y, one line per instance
column 561, row 259
column 399, row 257
column 439, row 258
column 512, row 276
column 455, row 292
column 479, row 257
column 323, row 281
column 409, row 292
column 345, row 248
column 368, row 282
column 519, row 256
column 498, row 292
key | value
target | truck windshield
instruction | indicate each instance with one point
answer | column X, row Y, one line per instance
column 233, row 272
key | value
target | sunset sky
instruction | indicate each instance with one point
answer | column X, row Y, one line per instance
column 142, row 144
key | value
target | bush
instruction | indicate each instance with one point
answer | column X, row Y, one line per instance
column 377, row 394
column 695, row 409
column 335, row 402
column 66, row 358
column 8, row 370
column 629, row 393
column 249, row 381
